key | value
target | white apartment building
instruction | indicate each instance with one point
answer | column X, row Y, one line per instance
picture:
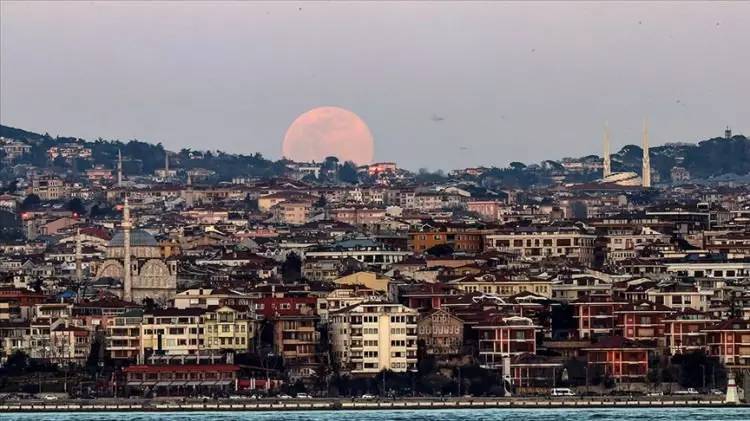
column 369, row 337
column 539, row 243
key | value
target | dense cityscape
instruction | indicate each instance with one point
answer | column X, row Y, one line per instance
column 127, row 270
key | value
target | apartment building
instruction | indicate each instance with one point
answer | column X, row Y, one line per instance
column 537, row 243
column 490, row 283
column 369, row 337
column 505, row 337
column 172, row 332
column 729, row 340
column 619, row 358
column 124, row 335
column 441, row 333
column 595, row 314
column 49, row 188
column 228, row 328
column 292, row 212
column 571, row 288
column 642, row 321
column 684, row 331
column 469, row 241
column 680, row 296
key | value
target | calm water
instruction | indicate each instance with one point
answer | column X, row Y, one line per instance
column 639, row 414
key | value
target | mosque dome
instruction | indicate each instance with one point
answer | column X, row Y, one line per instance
column 138, row 238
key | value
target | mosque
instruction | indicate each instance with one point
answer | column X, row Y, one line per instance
column 628, row 178
column 135, row 259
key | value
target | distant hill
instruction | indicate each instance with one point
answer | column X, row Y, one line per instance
column 717, row 157
column 143, row 157
column 709, row 158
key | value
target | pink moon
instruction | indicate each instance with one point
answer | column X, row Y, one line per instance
column 328, row 131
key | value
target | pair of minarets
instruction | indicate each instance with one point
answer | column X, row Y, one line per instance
column 646, row 161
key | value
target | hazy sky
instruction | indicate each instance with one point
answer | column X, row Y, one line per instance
column 441, row 85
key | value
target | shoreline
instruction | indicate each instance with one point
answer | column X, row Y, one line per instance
column 348, row 405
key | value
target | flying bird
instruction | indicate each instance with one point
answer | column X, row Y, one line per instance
column 436, row 118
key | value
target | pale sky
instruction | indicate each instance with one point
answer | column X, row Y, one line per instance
column 440, row 85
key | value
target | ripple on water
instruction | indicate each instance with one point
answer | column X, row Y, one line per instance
column 630, row 414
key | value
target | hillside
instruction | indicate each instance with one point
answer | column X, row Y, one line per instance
column 143, row 158
column 706, row 159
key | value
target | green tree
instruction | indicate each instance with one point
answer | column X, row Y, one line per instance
column 291, row 269
column 17, row 363
column 30, row 202
column 76, row 206
column 348, row 173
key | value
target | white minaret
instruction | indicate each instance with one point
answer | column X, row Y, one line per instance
column 78, row 256
column 119, row 168
column 607, row 163
column 127, row 286
column 646, row 177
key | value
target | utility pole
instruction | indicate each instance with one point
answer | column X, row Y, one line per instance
column 459, row 381
column 586, row 371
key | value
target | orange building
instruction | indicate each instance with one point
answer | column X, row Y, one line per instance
column 730, row 341
column 503, row 337
column 461, row 239
column 684, row 331
column 596, row 315
column 642, row 321
column 618, row 358
column 487, row 209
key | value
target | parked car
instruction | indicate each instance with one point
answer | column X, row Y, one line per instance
column 688, row 391
column 284, row 396
column 716, row 392
column 562, row 391
column 368, row 396
column 303, row 396
column 656, row 394
column 49, row 397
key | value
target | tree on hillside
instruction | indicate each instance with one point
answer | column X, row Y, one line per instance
column 348, row 173
column 30, row 202
column 291, row 269
column 76, row 206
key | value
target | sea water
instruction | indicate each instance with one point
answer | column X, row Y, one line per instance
column 603, row 414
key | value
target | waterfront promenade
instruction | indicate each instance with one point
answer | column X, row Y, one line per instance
column 349, row 404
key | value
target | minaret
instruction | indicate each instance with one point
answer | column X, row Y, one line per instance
column 607, row 163
column 166, row 163
column 127, row 287
column 119, row 168
column 646, row 177
column 78, row 256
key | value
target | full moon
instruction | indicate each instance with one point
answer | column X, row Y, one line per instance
column 328, row 131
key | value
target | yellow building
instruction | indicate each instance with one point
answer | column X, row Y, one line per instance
column 172, row 332
column 227, row 328
column 501, row 286
column 370, row 280
column 369, row 337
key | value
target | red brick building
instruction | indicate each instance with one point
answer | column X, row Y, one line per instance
column 595, row 314
column 502, row 337
column 684, row 331
column 618, row 358
column 642, row 321
column 729, row 340
column 176, row 379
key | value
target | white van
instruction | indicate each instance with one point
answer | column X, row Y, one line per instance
column 562, row 391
